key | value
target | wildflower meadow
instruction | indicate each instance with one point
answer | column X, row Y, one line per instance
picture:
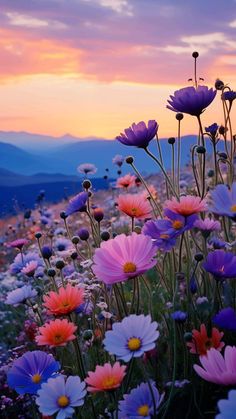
column 122, row 303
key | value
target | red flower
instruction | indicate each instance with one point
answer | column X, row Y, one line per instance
column 201, row 343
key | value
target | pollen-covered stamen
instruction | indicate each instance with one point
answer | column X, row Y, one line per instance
column 177, row 225
column 36, row 378
column 143, row 410
column 129, row 267
column 63, row 401
column 233, row 208
column 134, row 344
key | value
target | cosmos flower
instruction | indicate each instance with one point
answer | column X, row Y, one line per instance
column 60, row 396
column 56, row 333
column 77, row 203
column 64, row 301
column 123, row 257
column 157, row 230
column 179, row 223
column 139, row 135
column 220, row 264
column 126, row 181
column 87, row 168
column 106, row 377
column 187, row 205
column 201, row 343
column 130, row 338
column 20, row 295
column 224, row 201
column 217, row 368
column 226, row 319
column 30, row 268
column 191, row 100
column 18, row 264
column 227, row 407
column 118, row 160
column 135, row 205
column 17, row 244
column 207, row 225
column 139, row 402
column 31, row 370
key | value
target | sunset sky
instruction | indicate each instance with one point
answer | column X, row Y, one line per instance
column 92, row 67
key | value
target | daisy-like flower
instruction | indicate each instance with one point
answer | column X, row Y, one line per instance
column 30, row 268
column 123, row 257
column 139, row 135
column 191, row 100
column 61, row 396
column 201, row 342
column 227, row 407
column 131, row 337
column 135, row 205
column 64, row 301
column 87, row 168
column 21, row 261
column 158, row 231
column 20, row 295
column 31, row 370
column 217, row 368
column 126, row 181
column 224, row 201
column 220, row 264
column 62, row 246
column 106, row 377
column 207, row 226
column 187, row 205
column 77, row 203
column 118, row 160
column 18, row 243
column 56, row 333
column 139, row 402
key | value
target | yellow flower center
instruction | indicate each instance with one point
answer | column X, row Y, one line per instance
column 63, row 401
column 134, row 344
column 129, row 267
column 143, row 410
column 233, row 208
column 36, row 378
column 58, row 338
column 134, row 211
column 177, row 225
column 109, row 382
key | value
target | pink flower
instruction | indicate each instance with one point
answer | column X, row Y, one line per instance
column 125, row 181
column 217, row 368
column 106, row 377
column 30, row 268
column 123, row 257
column 18, row 243
column 187, row 205
column 135, row 205
column 207, row 224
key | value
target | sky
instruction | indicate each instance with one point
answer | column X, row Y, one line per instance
column 93, row 67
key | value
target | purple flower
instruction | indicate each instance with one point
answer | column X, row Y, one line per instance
column 207, row 225
column 18, row 243
column 83, row 233
column 230, row 95
column 157, row 230
column 179, row 223
column 191, row 100
column 227, row 407
column 130, row 338
column 220, row 264
column 20, row 295
column 139, row 402
column 139, row 135
column 226, row 319
column 19, row 264
column 224, row 201
column 62, row 245
column 118, row 160
column 31, row 370
column 46, row 252
column 179, row 316
column 212, row 129
column 217, row 243
column 77, row 203
column 87, row 168
column 60, row 396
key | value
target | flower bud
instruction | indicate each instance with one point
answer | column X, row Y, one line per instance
column 129, row 160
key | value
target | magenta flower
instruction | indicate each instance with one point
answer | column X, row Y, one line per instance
column 123, row 257
column 217, row 368
column 18, row 243
column 139, row 135
column 191, row 100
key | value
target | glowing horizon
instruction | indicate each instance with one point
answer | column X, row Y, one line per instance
column 86, row 68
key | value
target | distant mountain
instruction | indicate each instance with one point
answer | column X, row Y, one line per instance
column 65, row 159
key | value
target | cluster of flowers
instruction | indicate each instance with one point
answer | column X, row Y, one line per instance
column 118, row 324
